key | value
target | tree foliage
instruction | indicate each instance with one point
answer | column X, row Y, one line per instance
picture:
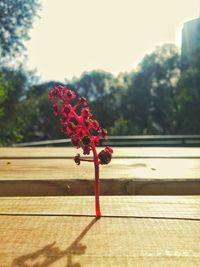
column 16, row 18
column 12, row 88
column 162, row 96
column 188, row 98
column 100, row 88
column 150, row 96
column 39, row 123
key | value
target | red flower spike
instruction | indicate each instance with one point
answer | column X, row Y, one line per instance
column 85, row 132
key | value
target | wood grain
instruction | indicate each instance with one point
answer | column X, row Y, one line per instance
column 66, row 241
column 134, row 230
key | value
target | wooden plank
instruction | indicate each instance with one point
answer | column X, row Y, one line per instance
column 108, row 187
column 120, row 152
column 66, row 241
column 182, row 207
column 19, row 169
column 54, row 177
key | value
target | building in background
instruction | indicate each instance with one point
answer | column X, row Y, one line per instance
column 190, row 38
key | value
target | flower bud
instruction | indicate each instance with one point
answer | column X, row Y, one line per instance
column 105, row 155
column 86, row 140
column 75, row 141
column 82, row 101
column 86, row 113
column 86, row 150
column 77, row 159
column 71, row 126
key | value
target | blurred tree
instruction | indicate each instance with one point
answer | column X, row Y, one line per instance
column 188, row 97
column 120, row 127
column 16, row 18
column 38, row 89
column 150, row 102
column 12, row 89
column 93, row 84
column 103, row 93
column 157, row 98
column 39, row 123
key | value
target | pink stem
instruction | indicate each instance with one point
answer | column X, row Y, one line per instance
column 96, row 168
column 97, row 184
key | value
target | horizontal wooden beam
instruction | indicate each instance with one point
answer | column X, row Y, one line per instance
column 58, row 169
column 182, row 207
column 40, row 177
column 119, row 152
column 136, row 239
column 108, row 187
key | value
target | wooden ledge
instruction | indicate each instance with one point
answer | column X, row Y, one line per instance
column 119, row 152
column 138, row 231
column 171, row 207
column 109, row 187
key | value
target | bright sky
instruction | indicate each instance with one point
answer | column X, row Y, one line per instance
column 73, row 36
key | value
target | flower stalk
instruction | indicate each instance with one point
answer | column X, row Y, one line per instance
column 97, row 183
column 85, row 132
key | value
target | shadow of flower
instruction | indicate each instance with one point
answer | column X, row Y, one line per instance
column 51, row 253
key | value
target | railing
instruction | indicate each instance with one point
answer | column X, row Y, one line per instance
column 130, row 140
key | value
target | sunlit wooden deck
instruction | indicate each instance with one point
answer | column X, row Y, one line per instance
column 150, row 200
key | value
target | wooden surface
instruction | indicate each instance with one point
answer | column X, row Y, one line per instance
column 133, row 171
column 139, row 231
column 119, row 152
column 182, row 207
column 119, row 168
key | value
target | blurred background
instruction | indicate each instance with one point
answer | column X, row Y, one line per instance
column 137, row 63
